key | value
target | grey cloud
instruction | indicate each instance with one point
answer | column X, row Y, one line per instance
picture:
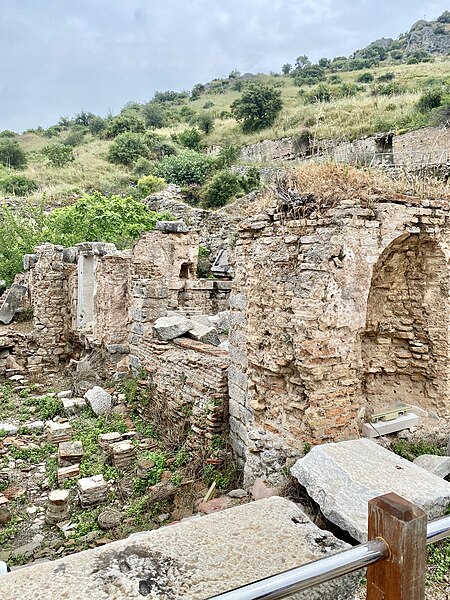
column 60, row 57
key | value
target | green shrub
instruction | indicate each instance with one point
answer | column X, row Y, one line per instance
column 322, row 93
column 389, row 76
column 444, row 18
column 189, row 138
column 127, row 122
column 224, row 186
column 365, row 77
column 142, row 167
column 188, row 167
column 309, row 75
column 97, row 125
column 75, row 138
column 126, row 148
column 430, row 99
column 206, row 122
column 155, row 115
column 228, row 155
column 11, row 154
column 387, row 89
column 258, row 107
column 6, row 133
column 58, row 155
column 149, row 184
column 19, row 185
column 158, row 145
column 98, row 218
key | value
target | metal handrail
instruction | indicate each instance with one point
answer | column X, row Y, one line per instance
column 325, row 569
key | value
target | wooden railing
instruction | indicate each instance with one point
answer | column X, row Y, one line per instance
column 395, row 557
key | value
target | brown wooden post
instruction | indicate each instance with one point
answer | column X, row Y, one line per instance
column 403, row 526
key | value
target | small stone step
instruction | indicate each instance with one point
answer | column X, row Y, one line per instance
column 70, row 453
column 58, row 432
column 92, row 490
column 68, row 472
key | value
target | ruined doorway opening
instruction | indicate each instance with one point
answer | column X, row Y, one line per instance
column 405, row 345
column 186, row 270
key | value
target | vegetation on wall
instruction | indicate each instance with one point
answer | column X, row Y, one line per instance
column 94, row 218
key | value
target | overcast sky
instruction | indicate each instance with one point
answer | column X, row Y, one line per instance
column 60, row 56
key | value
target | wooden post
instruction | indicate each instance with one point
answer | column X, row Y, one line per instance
column 403, row 526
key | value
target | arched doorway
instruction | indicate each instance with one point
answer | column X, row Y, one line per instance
column 405, row 347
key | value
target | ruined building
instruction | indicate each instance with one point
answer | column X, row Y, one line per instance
column 334, row 314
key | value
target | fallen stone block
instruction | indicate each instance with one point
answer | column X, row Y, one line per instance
column 58, row 432
column 73, row 406
column 123, row 454
column 438, row 465
column 191, row 559
column 99, row 399
column 205, row 334
column 9, row 428
column 379, row 428
column 169, row 328
column 64, row 394
column 69, row 472
column 70, row 453
column 106, row 440
column 92, row 490
column 344, row 476
column 57, row 507
column 172, row 227
column 13, row 300
column 260, row 489
column 215, row 505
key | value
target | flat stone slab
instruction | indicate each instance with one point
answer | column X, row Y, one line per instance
column 378, row 428
column 169, row 328
column 12, row 302
column 192, row 560
column 172, row 227
column 343, row 477
column 438, row 465
column 99, row 399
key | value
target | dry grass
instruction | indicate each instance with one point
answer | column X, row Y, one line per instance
column 316, row 186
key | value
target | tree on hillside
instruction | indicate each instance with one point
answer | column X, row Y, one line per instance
column 286, row 68
column 11, row 154
column 258, row 107
column 302, row 61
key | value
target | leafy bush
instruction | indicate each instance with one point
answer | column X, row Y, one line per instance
column 365, row 78
column 142, row 167
column 127, row 122
column 97, row 125
column 20, row 231
column 389, row 76
column 11, row 154
column 155, row 115
column 309, row 75
column 99, row 218
column 188, row 167
column 19, row 185
column 126, row 148
column 189, row 138
column 58, row 155
column 258, row 107
column 322, row 93
column 206, row 122
column 228, row 155
column 150, row 184
column 387, row 89
column 430, row 99
column 6, row 133
column 75, row 138
column 226, row 185
column 221, row 188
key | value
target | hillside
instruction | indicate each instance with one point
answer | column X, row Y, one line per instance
column 376, row 89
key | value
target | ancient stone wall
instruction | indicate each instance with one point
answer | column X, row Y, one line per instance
column 191, row 378
column 51, row 308
column 298, row 372
column 427, row 146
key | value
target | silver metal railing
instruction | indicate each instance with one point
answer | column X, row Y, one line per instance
column 325, row 569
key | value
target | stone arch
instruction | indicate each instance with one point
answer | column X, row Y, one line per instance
column 405, row 346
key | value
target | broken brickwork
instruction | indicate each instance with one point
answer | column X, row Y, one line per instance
column 334, row 315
